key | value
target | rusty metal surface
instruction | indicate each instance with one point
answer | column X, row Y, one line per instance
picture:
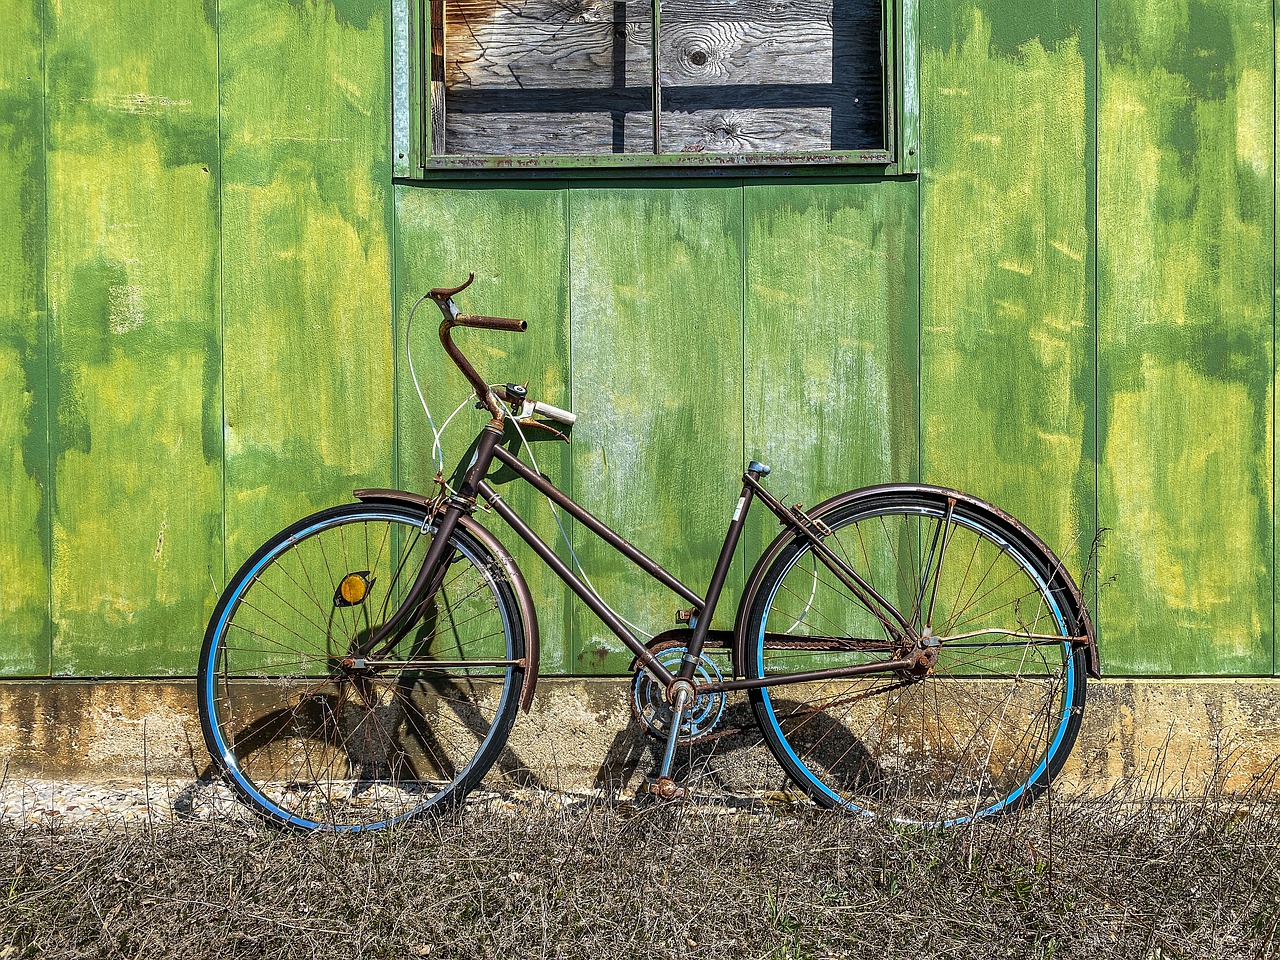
column 442, row 296
column 805, row 676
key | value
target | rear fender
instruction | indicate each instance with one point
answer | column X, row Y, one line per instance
column 524, row 599
column 1046, row 557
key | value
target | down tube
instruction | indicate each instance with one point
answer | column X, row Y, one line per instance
column 585, row 594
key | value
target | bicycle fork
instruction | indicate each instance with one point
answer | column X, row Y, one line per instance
column 435, row 564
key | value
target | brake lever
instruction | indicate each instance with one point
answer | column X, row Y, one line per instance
column 539, row 425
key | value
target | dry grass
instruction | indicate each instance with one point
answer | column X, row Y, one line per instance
column 1123, row 877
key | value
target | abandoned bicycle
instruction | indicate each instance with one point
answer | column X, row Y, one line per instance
column 907, row 650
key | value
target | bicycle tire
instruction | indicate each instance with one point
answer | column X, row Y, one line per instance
column 315, row 737
column 991, row 723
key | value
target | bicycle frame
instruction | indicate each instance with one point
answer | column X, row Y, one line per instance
column 356, row 731
column 475, row 487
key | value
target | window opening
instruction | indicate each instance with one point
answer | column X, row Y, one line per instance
column 578, row 77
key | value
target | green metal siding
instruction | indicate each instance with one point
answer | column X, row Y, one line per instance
column 25, row 634
column 657, row 379
column 1007, row 326
column 306, row 253
column 831, row 339
column 136, row 453
column 1185, row 332
column 517, row 244
column 206, row 274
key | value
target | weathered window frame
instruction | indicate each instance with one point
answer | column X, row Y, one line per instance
column 411, row 119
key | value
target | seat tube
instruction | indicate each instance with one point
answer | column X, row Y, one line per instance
column 718, row 577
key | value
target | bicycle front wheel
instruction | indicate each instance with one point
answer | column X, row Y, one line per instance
column 318, row 729
column 981, row 729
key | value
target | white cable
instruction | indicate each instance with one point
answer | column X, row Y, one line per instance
column 436, row 448
column 436, row 451
column 572, row 553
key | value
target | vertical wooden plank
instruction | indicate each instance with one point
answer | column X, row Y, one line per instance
column 306, row 253
column 516, row 242
column 907, row 82
column 656, row 300
column 1185, row 282
column 24, row 517
column 1007, row 352
column 133, row 296
column 832, row 325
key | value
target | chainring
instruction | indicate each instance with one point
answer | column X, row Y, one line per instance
column 651, row 710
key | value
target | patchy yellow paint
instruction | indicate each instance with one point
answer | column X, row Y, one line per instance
column 1019, row 268
column 1254, row 132
column 1179, row 499
column 1006, row 352
column 24, row 587
column 24, row 523
column 1185, row 268
column 133, row 289
column 142, row 122
column 306, row 250
column 1067, row 251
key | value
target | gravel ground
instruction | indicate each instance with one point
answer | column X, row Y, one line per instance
column 55, row 803
column 50, row 802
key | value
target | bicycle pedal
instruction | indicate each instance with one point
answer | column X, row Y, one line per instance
column 664, row 788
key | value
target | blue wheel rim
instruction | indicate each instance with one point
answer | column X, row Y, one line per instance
column 224, row 751
column 1060, row 732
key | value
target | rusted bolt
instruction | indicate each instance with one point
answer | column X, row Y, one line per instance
column 677, row 685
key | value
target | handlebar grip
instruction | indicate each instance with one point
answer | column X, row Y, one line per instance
column 555, row 413
column 491, row 323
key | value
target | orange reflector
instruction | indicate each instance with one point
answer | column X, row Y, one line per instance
column 353, row 588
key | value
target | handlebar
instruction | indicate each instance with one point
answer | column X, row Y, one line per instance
column 553, row 413
column 517, row 395
column 489, row 323
column 443, row 298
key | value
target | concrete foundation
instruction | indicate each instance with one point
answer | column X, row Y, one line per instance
column 1166, row 736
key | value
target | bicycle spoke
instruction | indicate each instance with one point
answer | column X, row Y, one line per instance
column 965, row 724
column 322, row 736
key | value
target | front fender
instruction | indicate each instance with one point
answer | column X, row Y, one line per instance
column 524, row 599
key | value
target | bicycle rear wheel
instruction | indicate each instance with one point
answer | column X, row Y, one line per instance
column 987, row 726
column 316, row 731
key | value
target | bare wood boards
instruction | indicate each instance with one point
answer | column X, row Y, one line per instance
column 543, row 77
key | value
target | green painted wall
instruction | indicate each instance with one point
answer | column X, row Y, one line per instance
column 206, row 278
column 1186, row 256
column 25, row 490
column 135, row 449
